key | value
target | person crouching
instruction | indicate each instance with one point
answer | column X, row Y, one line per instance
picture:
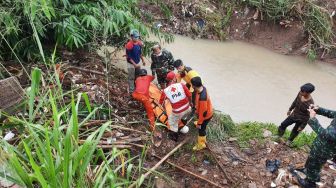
column 203, row 109
column 180, row 99
column 141, row 94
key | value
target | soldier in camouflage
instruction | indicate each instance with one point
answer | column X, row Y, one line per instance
column 323, row 148
column 162, row 63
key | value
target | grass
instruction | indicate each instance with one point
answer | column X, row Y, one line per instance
column 222, row 127
column 49, row 154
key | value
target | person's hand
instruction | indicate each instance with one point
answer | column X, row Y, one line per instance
column 312, row 112
column 196, row 124
column 137, row 65
column 300, row 129
column 289, row 112
column 314, row 106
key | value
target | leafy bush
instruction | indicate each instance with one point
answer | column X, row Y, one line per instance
column 73, row 24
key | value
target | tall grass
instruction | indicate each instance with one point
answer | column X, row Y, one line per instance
column 49, row 154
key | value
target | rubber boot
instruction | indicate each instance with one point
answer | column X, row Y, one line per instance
column 201, row 140
column 306, row 184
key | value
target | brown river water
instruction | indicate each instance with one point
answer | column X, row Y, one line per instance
column 252, row 83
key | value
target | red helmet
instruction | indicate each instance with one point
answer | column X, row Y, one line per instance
column 170, row 76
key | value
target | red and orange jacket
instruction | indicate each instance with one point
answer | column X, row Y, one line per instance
column 202, row 105
column 142, row 84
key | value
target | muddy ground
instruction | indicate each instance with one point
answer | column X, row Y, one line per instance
column 243, row 167
column 200, row 19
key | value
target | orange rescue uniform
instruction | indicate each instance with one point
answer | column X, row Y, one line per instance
column 202, row 105
column 141, row 94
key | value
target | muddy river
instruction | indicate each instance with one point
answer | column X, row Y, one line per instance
column 252, row 83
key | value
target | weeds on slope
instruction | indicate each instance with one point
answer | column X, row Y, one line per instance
column 222, row 128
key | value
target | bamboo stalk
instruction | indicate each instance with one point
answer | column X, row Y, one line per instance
column 87, row 70
column 189, row 172
column 144, row 176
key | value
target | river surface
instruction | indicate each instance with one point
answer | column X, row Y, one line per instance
column 252, row 83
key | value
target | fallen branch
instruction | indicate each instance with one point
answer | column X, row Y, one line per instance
column 144, row 176
column 188, row 172
column 220, row 165
column 87, row 70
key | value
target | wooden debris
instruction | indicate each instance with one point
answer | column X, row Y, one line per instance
column 87, row 70
column 160, row 162
column 189, row 172
column 220, row 165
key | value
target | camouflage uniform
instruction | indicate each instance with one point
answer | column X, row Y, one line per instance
column 161, row 65
column 324, row 145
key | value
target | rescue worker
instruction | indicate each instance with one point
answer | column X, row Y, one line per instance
column 141, row 94
column 162, row 63
column 203, row 110
column 298, row 113
column 185, row 73
column 323, row 147
column 133, row 57
column 180, row 99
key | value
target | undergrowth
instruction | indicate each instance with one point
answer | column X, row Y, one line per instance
column 222, row 128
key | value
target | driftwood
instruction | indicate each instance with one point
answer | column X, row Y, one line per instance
column 191, row 173
column 220, row 165
column 160, row 162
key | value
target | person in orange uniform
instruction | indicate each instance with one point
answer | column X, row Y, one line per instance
column 141, row 94
column 203, row 110
column 185, row 73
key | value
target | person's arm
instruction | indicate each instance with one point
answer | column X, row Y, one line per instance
column 325, row 112
column 291, row 108
column 326, row 134
column 187, row 92
column 153, row 65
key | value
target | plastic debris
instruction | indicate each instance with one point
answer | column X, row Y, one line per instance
column 9, row 136
column 272, row 165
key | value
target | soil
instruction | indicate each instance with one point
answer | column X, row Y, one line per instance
column 286, row 36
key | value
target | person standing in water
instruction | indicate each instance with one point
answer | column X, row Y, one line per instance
column 298, row 113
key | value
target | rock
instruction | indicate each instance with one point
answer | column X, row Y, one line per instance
column 204, row 172
column 252, row 185
column 267, row 133
column 231, row 139
column 252, row 142
column 273, row 184
column 224, row 182
column 9, row 136
column 235, row 163
column 200, row 169
column 160, row 183
column 268, row 174
column 206, row 162
column 215, row 176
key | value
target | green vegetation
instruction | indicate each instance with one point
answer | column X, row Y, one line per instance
column 26, row 27
column 222, row 127
column 317, row 22
column 49, row 152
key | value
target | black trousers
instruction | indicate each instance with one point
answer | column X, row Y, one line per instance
column 202, row 130
column 289, row 121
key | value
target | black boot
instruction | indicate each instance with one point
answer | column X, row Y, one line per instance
column 306, row 183
column 173, row 136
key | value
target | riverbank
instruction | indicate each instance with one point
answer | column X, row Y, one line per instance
column 285, row 33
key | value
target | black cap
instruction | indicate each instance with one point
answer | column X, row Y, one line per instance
column 308, row 88
column 196, row 81
column 178, row 63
